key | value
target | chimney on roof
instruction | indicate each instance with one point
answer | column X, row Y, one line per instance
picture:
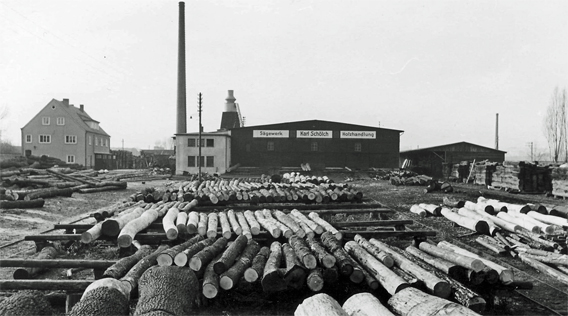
column 230, row 105
column 82, row 107
column 66, row 102
column 230, row 118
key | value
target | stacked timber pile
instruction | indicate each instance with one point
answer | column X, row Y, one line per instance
column 536, row 234
column 296, row 177
column 523, row 177
column 460, row 171
column 405, row 177
column 27, row 187
column 560, row 181
column 483, row 172
column 253, row 191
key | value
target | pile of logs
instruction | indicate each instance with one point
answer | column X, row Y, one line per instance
column 223, row 192
column 405, row 177
column 296, row 177
column 560, row 181
column 534, row 233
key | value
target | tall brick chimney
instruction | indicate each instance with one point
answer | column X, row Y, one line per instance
column 181, row 101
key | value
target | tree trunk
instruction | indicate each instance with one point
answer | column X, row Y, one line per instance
column 122, row 266
column 294, row 272
column 212, row 223
column 230, row 254
column 182, row 258
column 225, row 225
column 112, row 226
column 235, row 223
column 48, row 252
column 315, row 280
column 413, row 302
column 200, row 260
column 48, row 193
column 327, row 226
column 133, row 227
column 37, row 203
column 386, row 277
column 311, row 224
column 166, row 258
column 267, row 224
column 434, row 284
column 232, row 276
column 365, row 304
column 466, row 222
column 247, row 229
column 272, row 280
column 303, row 252
column 383, row 257
column 133, row 275
column 210, row 285
column 167, row 290
column 451, row 269
column 202, row 224
column 168, row 223
column 257, row 267
column 192, row 222
column 320, row 305
column 463, row 261
column 288, row 221
column 325, row 259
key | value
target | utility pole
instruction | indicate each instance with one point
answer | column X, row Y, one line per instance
column 199, row 99
column 532, row 155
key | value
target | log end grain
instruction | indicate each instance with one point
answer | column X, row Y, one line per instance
column 226, row 282
column 251, row 275
column 180, row 259
column 209, row 291
column 172, row 234
column 124, row 241
column 442, row 289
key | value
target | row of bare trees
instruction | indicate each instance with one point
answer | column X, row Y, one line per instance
column 555, row 126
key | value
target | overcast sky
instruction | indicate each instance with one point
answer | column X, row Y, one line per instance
column 438, row 70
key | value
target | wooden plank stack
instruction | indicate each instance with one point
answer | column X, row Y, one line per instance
column 560, row 181
column 523, row 177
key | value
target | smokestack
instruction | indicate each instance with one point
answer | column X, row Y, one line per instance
column 82, row 107
column 66, row 101
column 181, row 106
column 230, row 105
column 497, row 131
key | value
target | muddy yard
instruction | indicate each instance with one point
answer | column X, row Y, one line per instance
column 17, row 223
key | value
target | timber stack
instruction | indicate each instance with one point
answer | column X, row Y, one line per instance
column 560, row 181
column 523, row 177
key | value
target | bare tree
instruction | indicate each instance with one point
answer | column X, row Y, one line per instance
column 555, row 122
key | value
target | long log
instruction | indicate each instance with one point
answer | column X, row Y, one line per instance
column 558, row 275
column 181, row 224
column 48, row 252
column 166, row 258
column 127, row 233
column 311, row 224
column 451, row 269
column 520, row 222
column 272, row 280
column 487, row 243
column 201, row 259
column 388, row 279
column 107, row 211
column 327, row 226
column 268, row 225
column 365, row 304
column 463, row 261
column 122, row 266
column 230, row 254
column 286, row 220
column 112, row 226
column 181, row 259
column 235, row 223
column 257, row 267
column 549, row 219
column 552, row 258
column 202, row 224
column 286, row 231
column 225, row 225
column 210, row 284
column 309, row 232
column 383, row 257
column 212, row 223
column 294, row 272
column 192, row 222
column 133, row 275
column 231, row 277
column 48, row 193
column 434, row 284
column 413, row 302
column 303, row 251
column 477, row 216
column 324, row 258
column 320, row 305
column 466, row 222
column 169, row 223
column 37, row 203
column 247, row 231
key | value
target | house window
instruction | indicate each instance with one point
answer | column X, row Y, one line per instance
column 191, row 161
column 358, row 147
column 96, row 141
column 60, row 121
column 28, row 139
column 45, row 120
column 191, row 142
column 201, row 161
column 210, row 143
column 210, row 161
column 104, row 142
column 270, row 146
column 314, row 146
column 44, row 139
column 70, row 139
column 90, row 139
column 70, row 159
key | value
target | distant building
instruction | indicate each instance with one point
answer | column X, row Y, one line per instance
column 160, row 158
column 432, row 160
column 66, row 132
column 215, row 152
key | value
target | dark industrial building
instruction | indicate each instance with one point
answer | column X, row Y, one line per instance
column 322, row 144
column 434, row 161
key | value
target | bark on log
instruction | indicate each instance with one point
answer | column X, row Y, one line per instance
column 315, row 280
column 365, row 304
column 451, row 269
column 320, row 305
column 167, row 291
column 435, row 285
column 37, row 203
column 232, row 276
column 267, row 224
column 303, row 252
column 257, row 267
column 324, row 258
column 272, row 280
column 230, row 254
column 294, row 272
column 192, row 222
column 558, row 275
column 212, row 223
column 225, row 225
column 463, row 261
column 133, row 275
column 200, row 260
column 112, row 226
column 288, row 221
column 102, row 301
column 388, row 279
column 166, row 258
column 327, row 226
column 122, row 266
column 466, row 222
column 383, row 257
column 210, row 284
column 181, row 223
column 413, row 302
column 202, row 224
column 48, row 252
column 311, row 224
column 48, row 193
column 286, row 231
column 182, row 258
column 235, row 223
column 168, row 223
column 309, row 232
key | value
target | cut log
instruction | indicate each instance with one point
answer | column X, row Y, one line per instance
column 225, row 226
column 508, row 226
column 212, row 223
column 252, row 222
column 383, row 257
column 365, row 304
column 268, row 225
column 330, row 275
column 48, row 193
column 294, row 272
column 520, row 222
column 549, row 219
column 311, row 224
column 416, row 209
column 303, row 251
column 286, row 231
column 413, row 302
column 231, row 277
column 451, row 269
column 230, row 254
column 112, row 226
column 315, row 280
column 288, row 221
column 133, row 275
column 327, row 226
column 466, row 222
column 435, row 285
column 210, row 284
column 192, row 222
column 551, row 258
column 463, row 261
column 324, row 258
column 48, row 252
column 453, row 203
column 477, row 216
column 166, row 258
column 558, row 275
column 92, row 233
column 257, row 267
column 182, row 258
column 235, row 223
column 133, row 227
column 167, row 291
column 431, row 208
column 409, row 278
column 272, row 280
column 122, row 266
column 320, row 305
column 505, row 274
column 309, row 232
column 202, row 224
column 386, row 277
column 493, row 246
column 543, row 227
column 181, row 223
column 244, row 225
column 168, row 223
column 201, row 259
column 102, row 300
column 37, row 203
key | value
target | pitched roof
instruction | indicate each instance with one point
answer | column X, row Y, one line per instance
column 447, row 146
column 308, row 122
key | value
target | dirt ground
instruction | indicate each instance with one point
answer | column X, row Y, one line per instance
column 248, row 300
